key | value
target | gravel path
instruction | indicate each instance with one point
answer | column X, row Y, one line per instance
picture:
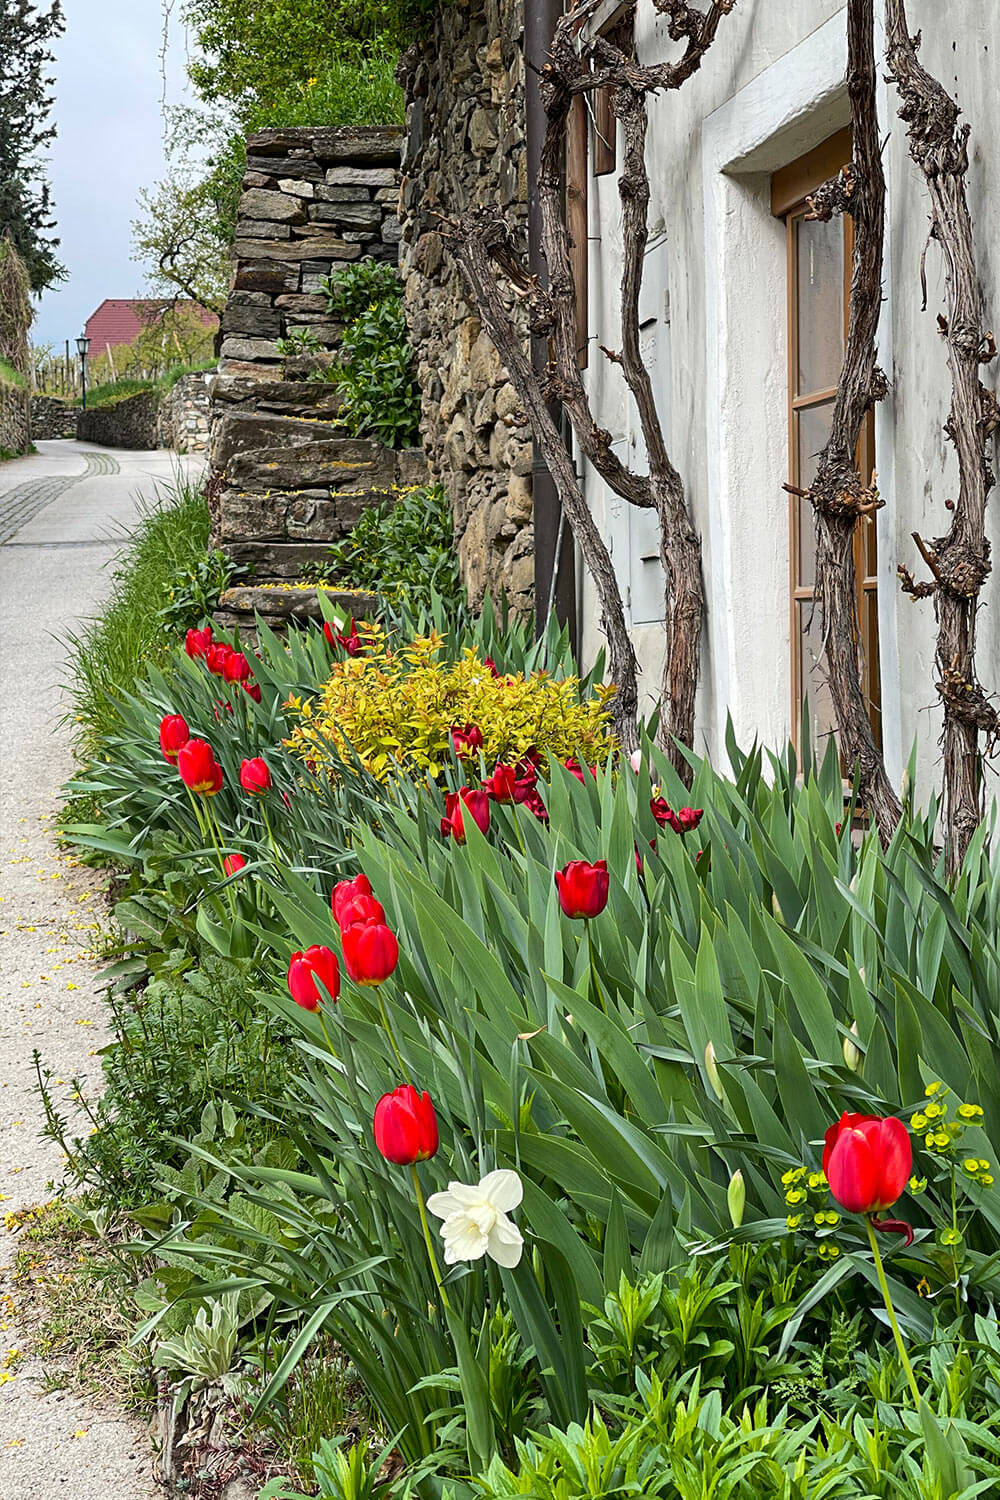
column 60, row 512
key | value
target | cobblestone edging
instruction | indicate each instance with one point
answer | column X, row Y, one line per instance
column 21, row 504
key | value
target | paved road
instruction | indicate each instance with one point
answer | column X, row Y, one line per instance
column 63, row 514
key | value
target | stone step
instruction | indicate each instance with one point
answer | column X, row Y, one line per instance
column 292, row 515
column 239, row 432
column 278, row 607
column 287, row 398
column 279, row 560
column 330, row 465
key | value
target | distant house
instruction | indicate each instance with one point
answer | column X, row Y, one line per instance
column 120, row 320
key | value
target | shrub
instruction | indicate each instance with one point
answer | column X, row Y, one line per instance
column 398, row 708
column 402, row 550
column 374, row 371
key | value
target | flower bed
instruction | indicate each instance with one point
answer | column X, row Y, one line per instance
column 553, row 1156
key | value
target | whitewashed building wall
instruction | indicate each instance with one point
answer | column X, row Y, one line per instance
column 715, row 314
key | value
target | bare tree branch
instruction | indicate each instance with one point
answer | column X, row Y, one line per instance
column 960, row 561
column 839, row 494
column 581, row 64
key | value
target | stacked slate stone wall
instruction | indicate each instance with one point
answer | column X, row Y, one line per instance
column 52, row 418
column 313, row 201
column 465, row 145
column 287, row 479
column 15, row 425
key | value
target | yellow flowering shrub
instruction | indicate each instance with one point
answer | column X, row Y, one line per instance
column 397, row 710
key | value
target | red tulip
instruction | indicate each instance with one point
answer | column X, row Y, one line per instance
column 527, row 779
column 491, row 667
column 236, row 668
column 867, row 1162
column 233, row 864
column 174, row 735
column 371, row 951
column 252, row 690
column 534, row 804
column 457, row 804
column 198, row 768
column 688, row 819
column 406, row 1128
column 574, row 767
column 466, row 738
column 352, row 901
column 197, row 642
column 350, row 641
column 216, row 656
column 583, row 888
column 502, row 785
column 303, row 972
column 255, row 777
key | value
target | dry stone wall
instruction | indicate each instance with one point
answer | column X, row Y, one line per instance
column 130, row 423
column 313, row 201
column 15, row 426
column 465, row 145
column 52, row 418
column 287, row 479
column 184, row 414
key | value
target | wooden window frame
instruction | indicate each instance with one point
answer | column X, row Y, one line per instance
column 789, row 189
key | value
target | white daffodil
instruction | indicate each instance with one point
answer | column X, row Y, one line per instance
column 475, row 1219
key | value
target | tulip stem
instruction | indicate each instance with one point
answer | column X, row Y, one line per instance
column 387, row 1027
column 517, row 829
column 593, row 967
column 428, row 1238
column 267, row 825
column 897, row 1335
column 326, row 1034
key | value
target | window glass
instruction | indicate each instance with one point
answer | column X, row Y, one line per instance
column 820, row 303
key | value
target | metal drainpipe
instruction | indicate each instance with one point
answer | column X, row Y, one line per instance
column 540, row 18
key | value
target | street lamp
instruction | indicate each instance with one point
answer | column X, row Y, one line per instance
column 82, row 345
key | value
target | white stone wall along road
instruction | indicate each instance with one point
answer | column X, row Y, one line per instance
column 69, row 506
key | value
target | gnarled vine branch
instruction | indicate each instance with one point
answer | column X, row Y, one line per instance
column 581, row 64
column 960, row 561
column 840, row 496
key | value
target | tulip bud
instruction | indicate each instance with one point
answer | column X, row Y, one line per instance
column 736, row 1197
column 905, row 789
column 852, row 1054
column 776, row 907
column 712, row 1069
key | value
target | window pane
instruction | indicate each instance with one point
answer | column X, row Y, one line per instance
column 820, row 300
column 813, row 431
column 814, row 683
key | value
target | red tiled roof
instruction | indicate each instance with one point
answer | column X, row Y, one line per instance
column 120, row 320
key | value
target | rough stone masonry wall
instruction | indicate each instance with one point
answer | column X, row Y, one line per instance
column 15, row 430
column 131, row 423
column 184, row 414
column 52, row 418
column 287, row 479
column 465, row 145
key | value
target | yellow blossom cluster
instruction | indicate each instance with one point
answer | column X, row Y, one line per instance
column 943, row 1135
column 807, row 1197
column 397, row 710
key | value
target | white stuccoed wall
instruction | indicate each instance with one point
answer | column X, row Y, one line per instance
column 771, row 88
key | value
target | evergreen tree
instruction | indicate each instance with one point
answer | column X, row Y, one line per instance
column 26, row 33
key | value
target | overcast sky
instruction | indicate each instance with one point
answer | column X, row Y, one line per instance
column 110, row 144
